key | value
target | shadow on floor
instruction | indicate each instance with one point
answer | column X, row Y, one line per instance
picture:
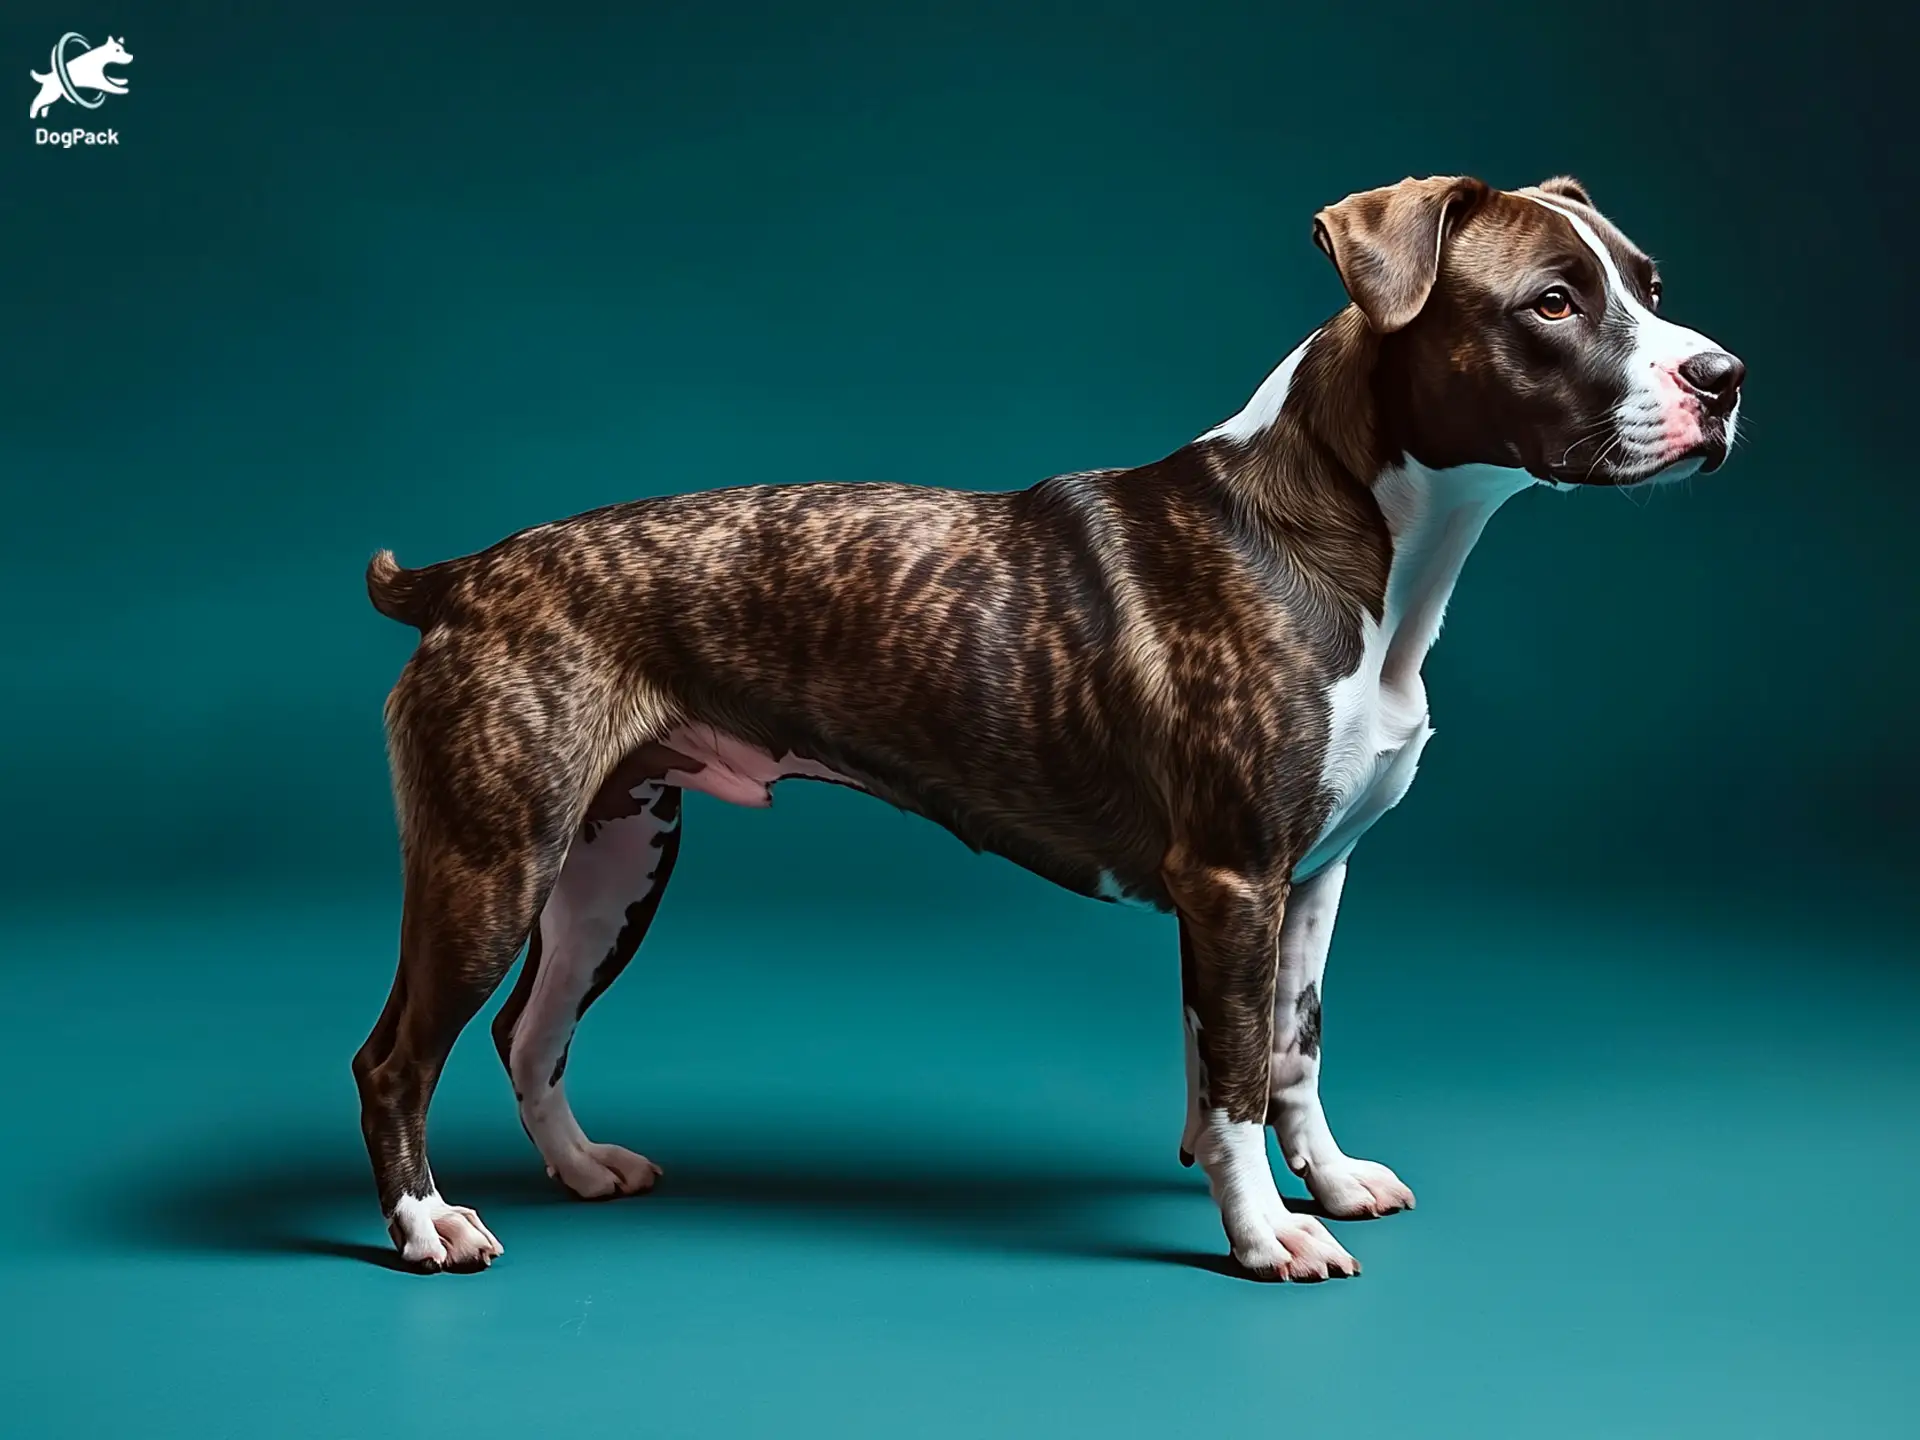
column 268, row 1198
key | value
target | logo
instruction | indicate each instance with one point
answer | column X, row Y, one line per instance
column 77, row 71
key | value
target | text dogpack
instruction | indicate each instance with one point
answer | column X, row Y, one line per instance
column 67, row 139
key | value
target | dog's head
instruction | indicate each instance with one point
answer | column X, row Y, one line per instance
column 113, row 52
column 1521, row 329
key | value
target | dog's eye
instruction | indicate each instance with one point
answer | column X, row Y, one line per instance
column 1654, row 291
column 1554, row 304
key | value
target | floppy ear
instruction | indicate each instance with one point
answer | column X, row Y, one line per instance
column 1567, row 188
column 1386, row 243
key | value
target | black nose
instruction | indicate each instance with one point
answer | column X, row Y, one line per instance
column 1715, row 377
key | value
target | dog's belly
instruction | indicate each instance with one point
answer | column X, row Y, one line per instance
column 703, row 757
column 729, row 768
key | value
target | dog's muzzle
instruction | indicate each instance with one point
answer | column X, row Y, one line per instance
column 1713, row 379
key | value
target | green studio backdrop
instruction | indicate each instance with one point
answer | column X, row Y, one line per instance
column 418, row 277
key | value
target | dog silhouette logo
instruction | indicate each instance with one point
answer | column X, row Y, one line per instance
column 71, row 72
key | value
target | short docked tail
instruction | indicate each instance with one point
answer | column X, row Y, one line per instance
column 410, row 596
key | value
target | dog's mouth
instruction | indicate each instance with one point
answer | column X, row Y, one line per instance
column 1642, row 455
column 1703, row 457
column 1714, row 454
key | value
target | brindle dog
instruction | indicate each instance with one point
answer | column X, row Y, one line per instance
column 1193, row 684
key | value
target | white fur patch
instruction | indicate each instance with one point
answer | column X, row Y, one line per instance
column 1270, row 1240
column 1264, row 408
column 1111, row 889
column 1377, row 715
column 437, row 1236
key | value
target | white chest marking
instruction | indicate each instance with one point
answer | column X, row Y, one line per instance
column 1375, row 736
column 1377, row 714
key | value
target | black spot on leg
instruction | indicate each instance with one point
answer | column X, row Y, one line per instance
column 560, row 1065
column 1306, row 1014
column 639, row 914
column 604, row 974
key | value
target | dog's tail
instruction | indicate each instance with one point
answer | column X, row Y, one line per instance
column 43, row 79
column 410, row 596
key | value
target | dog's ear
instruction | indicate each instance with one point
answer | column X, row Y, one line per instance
column 1567, row 188
column 1386, row 243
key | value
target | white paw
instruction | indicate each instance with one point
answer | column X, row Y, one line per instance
column 1350, row 1189
column 1299, row 1249
column 599, row 1172
column 1268, row 1239
column 434, row 1235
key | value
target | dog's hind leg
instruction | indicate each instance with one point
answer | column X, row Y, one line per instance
column 460, row 931
column 487, row 809
column 593, row 922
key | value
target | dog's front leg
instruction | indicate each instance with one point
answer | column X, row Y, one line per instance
column 1230, row 927
column 1346, row 1188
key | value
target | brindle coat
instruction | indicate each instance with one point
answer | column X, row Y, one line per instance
column 1117, row 679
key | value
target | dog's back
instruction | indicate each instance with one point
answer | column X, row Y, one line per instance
column 943, row 650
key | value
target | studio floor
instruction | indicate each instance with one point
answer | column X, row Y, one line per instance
column 921, row 1180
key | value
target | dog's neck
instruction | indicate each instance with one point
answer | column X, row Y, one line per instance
column 1435, row 518
column 1307, row 462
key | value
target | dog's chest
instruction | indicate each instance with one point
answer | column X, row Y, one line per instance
column 1377, row 713
column 1375, row 733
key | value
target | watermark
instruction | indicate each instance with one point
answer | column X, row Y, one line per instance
column 67, row 139
column 77, row 73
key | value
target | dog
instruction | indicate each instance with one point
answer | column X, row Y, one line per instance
column 1193, row 685
column 87, row 71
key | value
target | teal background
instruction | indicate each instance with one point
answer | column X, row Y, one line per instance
column 1625, row 989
